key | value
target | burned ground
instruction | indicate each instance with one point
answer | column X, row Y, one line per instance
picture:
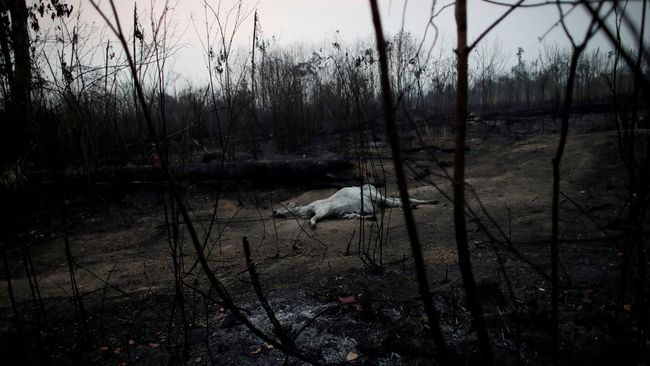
column 334, row 301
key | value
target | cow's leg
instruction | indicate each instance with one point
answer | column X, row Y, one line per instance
column 351, row 216
column 396, row 202
column 320, row 213
column 358, row 216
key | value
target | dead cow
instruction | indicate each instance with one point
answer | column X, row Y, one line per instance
column 345, row 203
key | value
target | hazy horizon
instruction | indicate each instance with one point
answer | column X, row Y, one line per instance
column 314, row 23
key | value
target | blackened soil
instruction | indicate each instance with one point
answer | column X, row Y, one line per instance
column 346, row 290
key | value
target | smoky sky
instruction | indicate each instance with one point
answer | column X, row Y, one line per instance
column 314, row 23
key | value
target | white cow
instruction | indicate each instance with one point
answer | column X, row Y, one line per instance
column 344, row 203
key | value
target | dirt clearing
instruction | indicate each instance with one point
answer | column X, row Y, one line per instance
column 324, row 283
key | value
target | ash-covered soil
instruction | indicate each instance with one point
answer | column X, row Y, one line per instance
column 346, row 290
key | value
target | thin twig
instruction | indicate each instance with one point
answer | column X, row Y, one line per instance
column 255, row 279
column 391, row 131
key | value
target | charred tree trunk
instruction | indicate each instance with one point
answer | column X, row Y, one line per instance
column 10, row 291
column 22, row 63
column 460, row 127
column 4, row 47
column 253, row 105
column 555, row 257
column 391, row 131
column 175, row 192
column 16, row 140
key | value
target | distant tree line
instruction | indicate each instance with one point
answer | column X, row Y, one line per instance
column 291, row 99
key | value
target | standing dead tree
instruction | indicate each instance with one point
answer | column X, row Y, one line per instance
column 634, row 148
column 460, row 226
column 391, row 131
column 14, row 137
column 555, row 201
column 460, row 129
column 174, row 189
column 555, row 257
column 17, row 143
column 638, row 192
column 14, row 36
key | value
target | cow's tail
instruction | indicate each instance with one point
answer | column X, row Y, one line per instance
column 396, row 202
column 422, row 202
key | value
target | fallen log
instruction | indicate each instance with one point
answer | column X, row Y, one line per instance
column 259, row 172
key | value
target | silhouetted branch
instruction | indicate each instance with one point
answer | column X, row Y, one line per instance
column 638, row 72
column 555, row 257
column 255, row 279
column 391, row 132
column 494, row 24
column 460, row 227
column 174, row 190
